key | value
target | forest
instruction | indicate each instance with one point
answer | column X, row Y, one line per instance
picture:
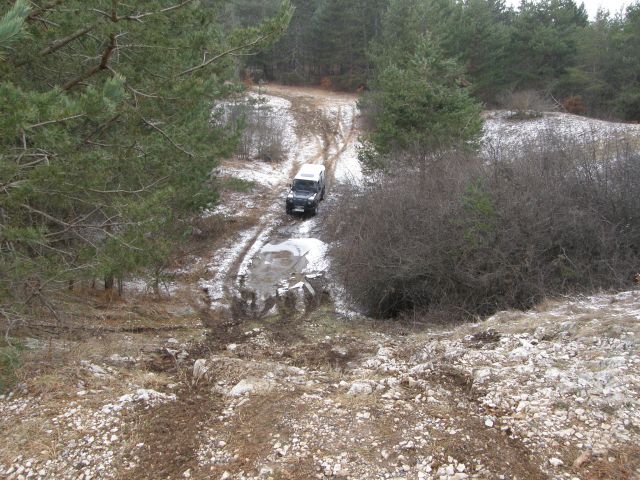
column 587, row 66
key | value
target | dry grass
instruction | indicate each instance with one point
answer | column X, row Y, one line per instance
column 29, row 439
column 625, row 465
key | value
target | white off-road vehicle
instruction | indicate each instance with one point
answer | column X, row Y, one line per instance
column 307, row 189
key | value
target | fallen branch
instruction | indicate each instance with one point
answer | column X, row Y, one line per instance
column 53, row 328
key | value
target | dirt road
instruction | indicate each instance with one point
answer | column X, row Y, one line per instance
column 277, row 252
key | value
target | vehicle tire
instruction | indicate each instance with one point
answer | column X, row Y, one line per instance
column 322, row 194
column 314, row 210
column 289, row 210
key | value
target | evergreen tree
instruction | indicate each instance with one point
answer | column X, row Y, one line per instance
column 417, row 97
column 106, row 135
column 477, row 34
column 543, row 42
column 326, row 38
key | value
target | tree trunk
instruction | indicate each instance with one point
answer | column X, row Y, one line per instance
column 109, row 281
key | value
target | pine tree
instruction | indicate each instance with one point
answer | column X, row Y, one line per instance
column 106, row 134
column 417, row 99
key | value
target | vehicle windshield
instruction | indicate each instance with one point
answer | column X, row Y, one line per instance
column 304, row 185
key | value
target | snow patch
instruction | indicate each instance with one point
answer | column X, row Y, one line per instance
column 348, row 167
column 503, row 134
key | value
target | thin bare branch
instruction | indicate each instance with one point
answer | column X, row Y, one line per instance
column 141, row 190
column 114, row 17
column 51, row 122
column 164, row 134
column 224, row 54
column 45, row 215
column 133, row 90
column 102, row 128
column 39, row 11
column 46, row 21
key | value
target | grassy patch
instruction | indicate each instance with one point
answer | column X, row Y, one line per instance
column 10, row 361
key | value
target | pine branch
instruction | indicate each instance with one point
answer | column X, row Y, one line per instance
column 58, row 44
column 36, row 13
column 12, row 25
column 92, row 71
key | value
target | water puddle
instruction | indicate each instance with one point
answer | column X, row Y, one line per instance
column 285, row 265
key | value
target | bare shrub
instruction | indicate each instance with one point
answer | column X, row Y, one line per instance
column 326, row 83
column 261, row 131
column 575, row 105
column 525, row 103
column 456, row 233
column 247, row 79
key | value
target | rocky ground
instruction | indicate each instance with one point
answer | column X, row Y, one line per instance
column 550, row 393
column 218, row 377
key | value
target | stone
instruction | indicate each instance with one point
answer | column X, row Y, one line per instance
column 199, row 369
column 248, row 385
column 360, row 388
column 584, row 458
column 556, row 462
column 266, row 472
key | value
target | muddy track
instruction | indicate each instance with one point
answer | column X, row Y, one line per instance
column 327, row 120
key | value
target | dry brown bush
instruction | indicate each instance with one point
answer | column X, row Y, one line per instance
column 575, row 105
column 262, row 132
column 326, row 83
column 457, row 232
column 248, row 79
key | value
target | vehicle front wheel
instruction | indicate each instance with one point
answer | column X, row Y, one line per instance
column 289, row 210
